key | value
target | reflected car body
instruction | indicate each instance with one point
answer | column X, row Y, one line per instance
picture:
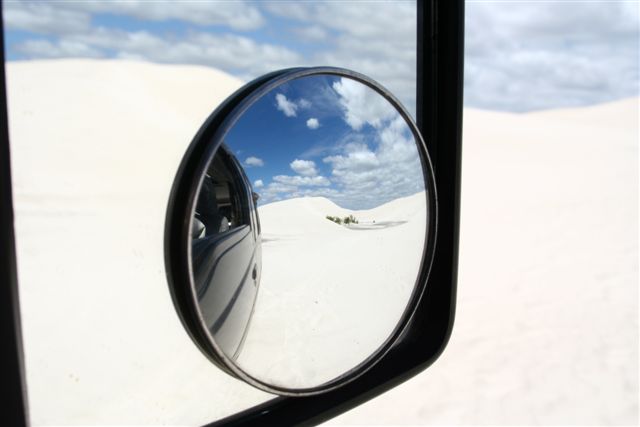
column 226, row 251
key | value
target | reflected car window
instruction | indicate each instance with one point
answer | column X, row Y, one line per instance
column 222, row 203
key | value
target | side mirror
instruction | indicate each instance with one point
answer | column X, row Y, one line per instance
column 319, row 292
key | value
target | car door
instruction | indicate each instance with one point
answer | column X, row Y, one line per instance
column 226, row 252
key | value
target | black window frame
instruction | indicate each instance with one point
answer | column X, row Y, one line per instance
column 238, row 196
column 440, row 39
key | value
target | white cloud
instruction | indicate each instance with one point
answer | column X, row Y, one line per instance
column 286, row 187
column 43, row 18
column 375, row 162
column 518, row 55
column 370, row 169
column 304, row 167
column 64, row 49
column 287, row 107
column 238, row 15
column 254, row 161
column 356, row 158
column 362, row 104
column 369, row 176
column 290, row 107
column 313, row 123
column 378, row 40
column 258, row 183
column 314, row 33
column 298, row 181
column 303, row 103
column 225, row 51
column 548, row 55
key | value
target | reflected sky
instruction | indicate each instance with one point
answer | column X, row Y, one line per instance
column 327, row 136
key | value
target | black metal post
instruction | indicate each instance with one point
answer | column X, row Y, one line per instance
column 12, row 378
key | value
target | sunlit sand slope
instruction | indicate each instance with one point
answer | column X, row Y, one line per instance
column 546, row 328
column 327, row 286
column 95, row 147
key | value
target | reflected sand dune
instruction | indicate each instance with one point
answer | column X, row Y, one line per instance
column 315, row 269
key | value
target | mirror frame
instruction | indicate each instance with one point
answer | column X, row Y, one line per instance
column 440, row 71
column 182, row 201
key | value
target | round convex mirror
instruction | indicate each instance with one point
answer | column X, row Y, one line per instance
column 300, row 230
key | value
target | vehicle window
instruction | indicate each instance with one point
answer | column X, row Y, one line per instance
column 255, row 201
column 223, row 201
column 104, row 98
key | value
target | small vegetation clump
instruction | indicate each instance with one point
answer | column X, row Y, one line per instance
column 350, row 220
column 335, row 219
column 346, row 220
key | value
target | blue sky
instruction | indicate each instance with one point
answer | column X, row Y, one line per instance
column 519, row 55
column 327, row 136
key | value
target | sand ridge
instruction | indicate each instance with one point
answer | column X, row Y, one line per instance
column 326, row 286
column 547, row 317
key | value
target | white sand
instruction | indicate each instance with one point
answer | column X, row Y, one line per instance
column 547, row 320
column 547, row 323
column 95, row 147
column 325, row 287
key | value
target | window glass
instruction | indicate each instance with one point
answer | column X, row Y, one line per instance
column 103, row 99
column 222, row 202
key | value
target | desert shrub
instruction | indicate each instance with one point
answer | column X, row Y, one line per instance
column 346, row 220
column 335, row 219
column 350, row 220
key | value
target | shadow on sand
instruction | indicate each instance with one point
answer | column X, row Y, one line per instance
column 375, row 225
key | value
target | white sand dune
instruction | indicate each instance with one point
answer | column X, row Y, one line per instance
column 325, row 286
column 95, row 148
column 546, row 328
column 547, row 319
column 278, row 214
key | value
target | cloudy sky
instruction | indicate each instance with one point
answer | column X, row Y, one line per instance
column 536, row 55
column 327, row 136
column 520, row 55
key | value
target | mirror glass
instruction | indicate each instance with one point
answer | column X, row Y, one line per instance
column 308, row 231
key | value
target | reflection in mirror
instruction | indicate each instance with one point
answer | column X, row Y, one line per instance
column 224, row 250
column 309, row 230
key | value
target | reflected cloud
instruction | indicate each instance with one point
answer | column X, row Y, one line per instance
column 313, row 123
column 287, row 107
column 304, row 167
column 253, row 161
column 362, row 105
column 299, row 181
column 366, row 154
